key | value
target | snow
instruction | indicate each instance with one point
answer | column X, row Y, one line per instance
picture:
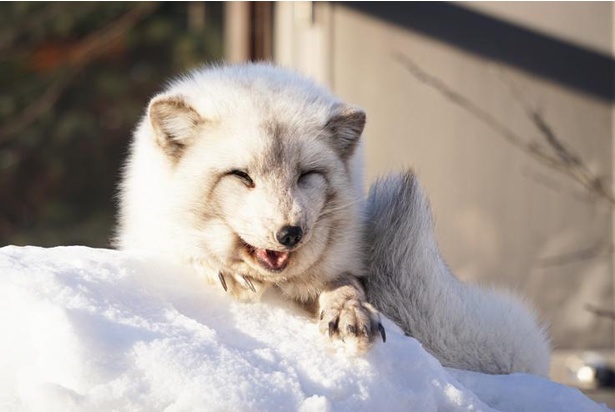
column 94, row 329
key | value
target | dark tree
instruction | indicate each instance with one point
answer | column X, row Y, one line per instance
column 75, row 80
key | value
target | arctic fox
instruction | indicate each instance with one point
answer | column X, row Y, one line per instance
column 248, row 173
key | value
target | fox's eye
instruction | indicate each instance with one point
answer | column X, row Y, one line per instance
column 307, row 174
column 244, row 177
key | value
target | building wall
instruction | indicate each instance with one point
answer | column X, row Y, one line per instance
column 488, row 122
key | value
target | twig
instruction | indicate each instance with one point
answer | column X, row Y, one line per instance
column 565, row 155
column 47, row 12
column 564, row 161
column 35, row 109
column 603, row 313
column 581, row 255
column 91, row 47
column 96, row 43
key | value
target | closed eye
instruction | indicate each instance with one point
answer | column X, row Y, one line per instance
column 309, row 173
column 243, row 176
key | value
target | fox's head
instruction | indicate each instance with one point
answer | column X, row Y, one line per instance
column 257, row 163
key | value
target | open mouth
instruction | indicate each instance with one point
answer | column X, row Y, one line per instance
column 271, row 260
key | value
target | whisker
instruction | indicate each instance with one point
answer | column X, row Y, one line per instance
column 328, row 210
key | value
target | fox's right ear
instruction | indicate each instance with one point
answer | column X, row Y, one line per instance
column 175, row 123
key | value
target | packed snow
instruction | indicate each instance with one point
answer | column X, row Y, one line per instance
column 91, row 329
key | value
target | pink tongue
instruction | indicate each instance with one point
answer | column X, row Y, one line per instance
column 271, row 258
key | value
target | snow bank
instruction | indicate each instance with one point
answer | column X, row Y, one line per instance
column 90, row 329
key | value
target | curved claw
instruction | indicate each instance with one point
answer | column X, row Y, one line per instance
column 249, row 283
column 332, row 328
column 222, row 281
column 382, row 332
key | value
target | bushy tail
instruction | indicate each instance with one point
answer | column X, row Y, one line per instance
column 462, row 325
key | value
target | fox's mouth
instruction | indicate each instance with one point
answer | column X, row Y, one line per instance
column 271, row 260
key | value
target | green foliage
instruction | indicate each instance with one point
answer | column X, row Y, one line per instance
column 75, row 80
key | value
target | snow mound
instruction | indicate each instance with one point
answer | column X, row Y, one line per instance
column 92, row 329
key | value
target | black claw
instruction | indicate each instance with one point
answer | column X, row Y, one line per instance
column 222, row 281
column 352, row 330
column 322, row 314
column 332, row 328
column 250, row 284
column 382, row 332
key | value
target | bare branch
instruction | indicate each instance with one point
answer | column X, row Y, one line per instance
column 97, row 43
column 35, row 109
column 589, row 253
column 564, row 161
column 87, row 50
column 47, row 12
column 562, row 152
column 603, row 313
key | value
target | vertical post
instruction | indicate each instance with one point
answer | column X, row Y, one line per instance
column 302, row 37
column 196, row 16
column 262, row 35
column 237, row 30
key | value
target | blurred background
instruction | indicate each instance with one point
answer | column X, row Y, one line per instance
column 505, row 110
column 75, row 78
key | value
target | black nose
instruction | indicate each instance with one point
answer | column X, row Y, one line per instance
column 289, row 236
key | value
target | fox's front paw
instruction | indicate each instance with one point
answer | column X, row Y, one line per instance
column 240, row 287
column 353, row 321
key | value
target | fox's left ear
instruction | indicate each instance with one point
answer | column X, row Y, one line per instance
column 175, row 122
column 346, row 126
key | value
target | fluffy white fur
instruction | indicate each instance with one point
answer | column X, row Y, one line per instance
column 226, row 156
column 187, row 195
column 464, row 326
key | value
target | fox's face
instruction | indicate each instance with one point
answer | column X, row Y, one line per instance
column 261, row 194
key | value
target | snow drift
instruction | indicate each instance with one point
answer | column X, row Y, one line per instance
column 91, row 329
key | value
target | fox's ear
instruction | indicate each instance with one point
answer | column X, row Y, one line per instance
column 346, row 125
column 175, row 123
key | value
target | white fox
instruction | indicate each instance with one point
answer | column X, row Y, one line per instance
column 246, row 172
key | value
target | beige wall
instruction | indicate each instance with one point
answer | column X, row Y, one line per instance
column 503, row 217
